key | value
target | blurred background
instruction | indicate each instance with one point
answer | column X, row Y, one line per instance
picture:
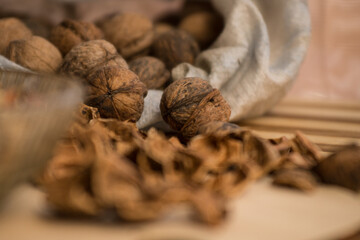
column 331, row 68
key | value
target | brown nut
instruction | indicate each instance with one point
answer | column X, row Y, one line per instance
column 89, row 55
column 204, row 26
column 34, row 53
column 12, row 29
column 117, row 93
column 189, row 103
column 151, row 71
column 130, row 33
column 175, row 47
column 70, row 33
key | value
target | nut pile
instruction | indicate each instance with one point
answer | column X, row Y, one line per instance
column 105, row 164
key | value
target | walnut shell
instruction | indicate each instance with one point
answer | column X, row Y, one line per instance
column 130, row 33
column 89, row 55
column 175, row 47
column 70, row 33
column 204, row 26
column 35, row 53
column 189, row 103
column 117, row 93
column 151, row 71
column 12, row 29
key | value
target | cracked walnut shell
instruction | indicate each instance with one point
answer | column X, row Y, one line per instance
column 117, row 93
column 70, row 33
column 189, row 103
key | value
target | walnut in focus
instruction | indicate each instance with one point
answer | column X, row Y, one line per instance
column 12, row 29
column 117, row 93
column 70, row 33
column 175, row 47
column 151, row 71
column 34, row 53
column 189, row 103
column 130, row 33
column 204, row 26
column 89, row 55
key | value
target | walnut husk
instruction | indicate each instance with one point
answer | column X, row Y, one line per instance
column 70, row 33
column 151, row 71
column 191, row 102
column 12, row 29
column 117, row 93
column 130, row 33
column 175, row 47
column 86, row 56
column 35, row 53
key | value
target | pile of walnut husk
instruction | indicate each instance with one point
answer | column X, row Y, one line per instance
column 105, row 164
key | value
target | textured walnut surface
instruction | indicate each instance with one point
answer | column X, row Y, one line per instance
column 117, row 93
column 151, row 71
column 35, row 53
column 86, row 56
column 70, row 33
column 191, row 102
column 12, row 29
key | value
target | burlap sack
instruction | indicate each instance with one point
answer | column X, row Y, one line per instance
column 254, row 60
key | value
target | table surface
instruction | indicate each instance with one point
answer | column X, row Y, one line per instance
column 262, row 211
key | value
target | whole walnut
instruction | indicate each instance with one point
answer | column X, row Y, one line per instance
column 89, row 55
column 130, row 33
column 117, row 93
column 12, row 29
column 34, row 53
column 189, row 103
column 204, row 26
column 175, row 47
column 151, row 71
column 70, row 33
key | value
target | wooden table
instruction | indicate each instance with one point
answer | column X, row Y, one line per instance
column 263, row 211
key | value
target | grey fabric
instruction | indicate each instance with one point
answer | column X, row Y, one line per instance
column 254, row 60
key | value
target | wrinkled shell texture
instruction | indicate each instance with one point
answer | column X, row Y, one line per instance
column 91, row 54
column 130, row 33
column 175, row 47
column 189, row 103
column 70, row 33
column 203, row 26
column 151, row 71
column 35, row 53
column 117, row 93
column 12, row 29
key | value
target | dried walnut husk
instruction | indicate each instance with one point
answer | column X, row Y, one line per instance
column 175, row 47
column 151, row 71
column 12, row 29
column 130, row 33
column 342, row 168
column 204, row 26
column 34, row 53
column 70, row 33
column 117, row 93
column 86, row 56
column 191, row 102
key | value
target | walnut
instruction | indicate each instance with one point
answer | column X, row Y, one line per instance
column 151, row 71
column 34, row 53
column 175, row 47
column 70, row 33
column 204, row 26
column 191, row 102
column 342, row 168
column 130, row 33
column 89, row 55
column 117, row 93
column 12, row 29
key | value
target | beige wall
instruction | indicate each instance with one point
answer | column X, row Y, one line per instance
column 332, row 66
